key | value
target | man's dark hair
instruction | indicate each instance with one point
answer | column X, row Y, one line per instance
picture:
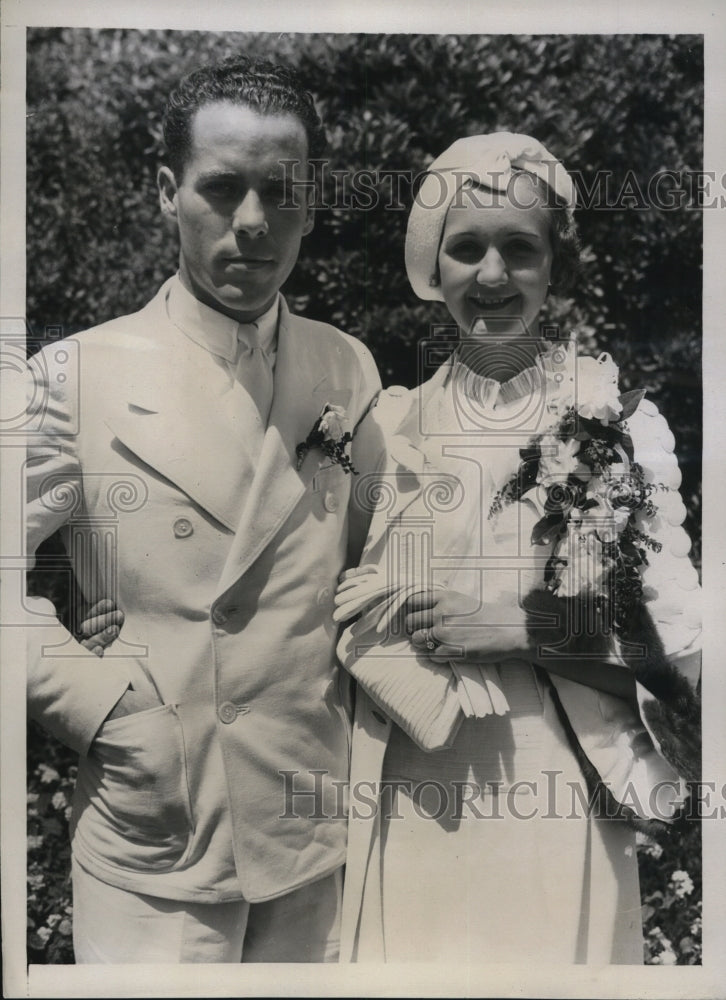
column 264, row 86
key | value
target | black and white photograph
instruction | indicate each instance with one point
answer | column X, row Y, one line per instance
column 361, row 554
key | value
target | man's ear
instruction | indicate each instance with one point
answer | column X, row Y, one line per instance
column 166, row 182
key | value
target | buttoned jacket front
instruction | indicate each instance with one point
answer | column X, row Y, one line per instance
column 225, row 563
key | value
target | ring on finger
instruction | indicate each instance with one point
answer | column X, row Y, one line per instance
column 429, row 639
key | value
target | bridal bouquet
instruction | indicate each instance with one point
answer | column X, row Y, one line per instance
column 581, row 474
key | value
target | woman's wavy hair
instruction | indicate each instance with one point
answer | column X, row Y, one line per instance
column 566, row 250
column 564, row 236
column 264, row 86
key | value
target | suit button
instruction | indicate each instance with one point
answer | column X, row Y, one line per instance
column 219, row 617
column 227, row 712
column 183, row 527
column 330, row 502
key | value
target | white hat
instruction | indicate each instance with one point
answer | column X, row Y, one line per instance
column 489, row 160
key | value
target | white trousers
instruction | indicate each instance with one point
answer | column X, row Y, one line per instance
column 112, row 925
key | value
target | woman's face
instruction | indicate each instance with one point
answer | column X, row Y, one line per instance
column 495, row 260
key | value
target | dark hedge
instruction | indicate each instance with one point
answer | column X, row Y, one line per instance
column 620, row 111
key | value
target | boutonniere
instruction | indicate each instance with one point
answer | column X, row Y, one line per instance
column 328, row 435
column 582, row 474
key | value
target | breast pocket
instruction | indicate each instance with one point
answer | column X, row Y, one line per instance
column 138, row 809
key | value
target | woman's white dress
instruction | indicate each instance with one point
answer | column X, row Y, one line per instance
column 486, row 850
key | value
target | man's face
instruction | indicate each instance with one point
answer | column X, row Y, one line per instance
column 238, row 245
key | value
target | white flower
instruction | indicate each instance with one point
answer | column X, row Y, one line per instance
column 34, row 842
column 647, row 845
column 59, row 800
column 332, row 419
column 681, row 883
column 597, row 389
column 558, row 459
column 654, row 850
column 47, row 774
column 602, row 518
column 44, row 934
column 666, row 957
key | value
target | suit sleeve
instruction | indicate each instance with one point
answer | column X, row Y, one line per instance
column 70, row 690
column 367, row 455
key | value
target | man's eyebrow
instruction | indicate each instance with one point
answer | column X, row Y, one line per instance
column 217, row 174
column 272, row 176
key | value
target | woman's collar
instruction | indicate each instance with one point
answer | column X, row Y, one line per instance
column 488, row 391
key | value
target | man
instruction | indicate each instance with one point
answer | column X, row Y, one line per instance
column 169, row 455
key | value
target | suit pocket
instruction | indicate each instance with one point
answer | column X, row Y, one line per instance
column 137, row 811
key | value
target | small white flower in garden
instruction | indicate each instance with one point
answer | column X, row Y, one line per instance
column 32, row 798
column 47, row 774
column 697, row 927
column 67, row 813
column 44, row 933
column 34, row 842
column 36, row 881
column 53, row 919
column 65, row 928
column 681, row 883
column 59, row 800
column 666, row 957
column 647, row 845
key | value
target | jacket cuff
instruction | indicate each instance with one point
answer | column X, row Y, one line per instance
column 620, row 747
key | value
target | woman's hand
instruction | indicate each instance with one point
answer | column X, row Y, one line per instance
column 101, row 626
column 448, row 625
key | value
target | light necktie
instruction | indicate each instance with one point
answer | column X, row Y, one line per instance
column 253, row 370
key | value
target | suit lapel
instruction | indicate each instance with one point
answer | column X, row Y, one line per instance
column 302, row 387
column 189, row 426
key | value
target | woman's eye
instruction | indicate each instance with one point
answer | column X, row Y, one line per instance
column 467, row 250
column 521, row 248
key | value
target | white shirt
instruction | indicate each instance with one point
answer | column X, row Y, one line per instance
column 217, row 333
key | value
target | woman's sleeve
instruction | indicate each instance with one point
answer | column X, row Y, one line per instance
column 645, row 754
column 671, row 592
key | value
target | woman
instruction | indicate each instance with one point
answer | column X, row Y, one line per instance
column 524, row 595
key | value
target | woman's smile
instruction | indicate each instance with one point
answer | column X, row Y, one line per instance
column 492, row 303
